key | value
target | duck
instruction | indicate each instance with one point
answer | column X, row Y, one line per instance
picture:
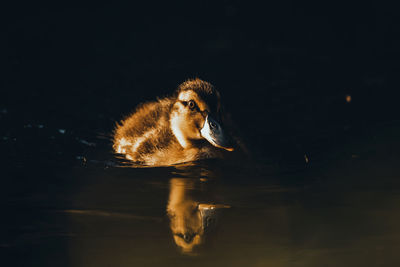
column 185, row 127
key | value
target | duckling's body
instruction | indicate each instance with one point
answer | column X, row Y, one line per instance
column 174, row 129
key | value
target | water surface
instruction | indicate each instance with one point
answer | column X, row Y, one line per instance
column 92, row 210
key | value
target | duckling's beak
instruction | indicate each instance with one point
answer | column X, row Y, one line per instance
column 213, row 133
column 208, row 213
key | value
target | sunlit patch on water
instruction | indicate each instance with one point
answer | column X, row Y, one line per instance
column 102, row 213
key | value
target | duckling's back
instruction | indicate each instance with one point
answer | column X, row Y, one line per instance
column 145, row 132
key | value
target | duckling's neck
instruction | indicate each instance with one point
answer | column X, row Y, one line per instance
column 176, row 130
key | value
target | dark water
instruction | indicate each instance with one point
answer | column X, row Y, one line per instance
column 89, row 211
column 313, row 88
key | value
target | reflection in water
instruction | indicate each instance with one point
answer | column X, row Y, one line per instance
column 118, row 219
column 190, row 220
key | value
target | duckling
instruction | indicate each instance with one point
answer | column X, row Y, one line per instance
column 182, row 128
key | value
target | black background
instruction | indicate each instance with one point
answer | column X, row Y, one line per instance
column 283, row 68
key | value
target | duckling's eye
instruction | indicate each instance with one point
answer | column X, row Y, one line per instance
column 191, row 104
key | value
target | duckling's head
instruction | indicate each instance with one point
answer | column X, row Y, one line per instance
column 196, row 115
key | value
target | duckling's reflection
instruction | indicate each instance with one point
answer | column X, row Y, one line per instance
column 190, row 220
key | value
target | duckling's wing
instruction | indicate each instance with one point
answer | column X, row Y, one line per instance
column 146, row 117
column 145, row 132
